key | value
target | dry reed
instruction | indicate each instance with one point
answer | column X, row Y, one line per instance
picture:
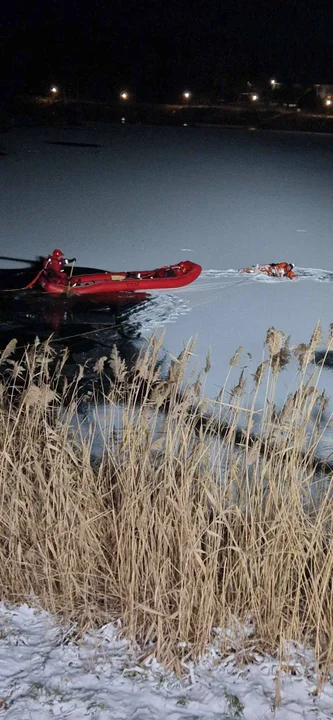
column 185, row 523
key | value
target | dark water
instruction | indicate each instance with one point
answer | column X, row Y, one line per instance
column 73, row 144
column 87, row 328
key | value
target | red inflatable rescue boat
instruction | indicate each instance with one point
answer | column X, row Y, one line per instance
column 55, row 279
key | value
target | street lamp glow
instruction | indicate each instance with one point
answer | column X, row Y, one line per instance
column 254, row 97
column 186, row 95
column 124, row 95
column 54, row 89
column 328, row 102
column 273, row 82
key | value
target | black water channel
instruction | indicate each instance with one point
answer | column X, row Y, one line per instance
column 87, row 328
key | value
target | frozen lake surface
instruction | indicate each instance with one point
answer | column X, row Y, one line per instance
column 126, row 197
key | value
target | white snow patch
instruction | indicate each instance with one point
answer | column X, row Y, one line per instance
column 45, row 672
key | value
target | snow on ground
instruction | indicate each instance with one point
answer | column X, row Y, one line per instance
column 46, row 673
column 141, row 197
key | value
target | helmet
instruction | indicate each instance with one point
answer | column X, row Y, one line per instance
column 57, row 253
column 291, row 265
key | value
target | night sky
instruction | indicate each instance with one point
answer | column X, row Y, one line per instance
column 157, row 48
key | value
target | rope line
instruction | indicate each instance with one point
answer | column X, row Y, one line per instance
column 214, row 297
column 75, row 335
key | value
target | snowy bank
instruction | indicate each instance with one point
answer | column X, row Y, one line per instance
column 46, row 673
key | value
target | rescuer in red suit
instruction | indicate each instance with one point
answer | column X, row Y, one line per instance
column 55, row 264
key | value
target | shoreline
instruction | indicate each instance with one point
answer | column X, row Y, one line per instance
column 27, row 112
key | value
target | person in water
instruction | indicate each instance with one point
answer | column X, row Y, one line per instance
column 278, row 270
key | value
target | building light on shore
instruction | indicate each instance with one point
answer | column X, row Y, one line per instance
column 187, row 95
column 273, row 82
column 54, row 90
column 254, row 97
column 124, row 95
column 328, row 102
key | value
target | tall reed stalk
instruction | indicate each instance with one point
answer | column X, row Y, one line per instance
column 199, row 512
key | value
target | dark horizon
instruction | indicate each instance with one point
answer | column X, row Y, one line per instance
column 157, row 51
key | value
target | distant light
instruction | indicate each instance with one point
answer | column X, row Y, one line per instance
column 186, row 95
column 184, row 124
column 254, row 97
column 124, row 95
column 328, row 102
column 123, row 120
column 54, row 89
column 273, row 82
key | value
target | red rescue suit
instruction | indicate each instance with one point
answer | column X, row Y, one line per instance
column 278, row 270
column 55, row 264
